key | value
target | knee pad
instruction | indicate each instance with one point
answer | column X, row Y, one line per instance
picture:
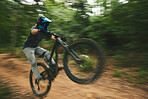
column 47, row 54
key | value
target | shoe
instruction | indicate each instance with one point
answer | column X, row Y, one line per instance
column 54, row 66
column 53, row 72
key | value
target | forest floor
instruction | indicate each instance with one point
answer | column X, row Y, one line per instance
column 15, row 72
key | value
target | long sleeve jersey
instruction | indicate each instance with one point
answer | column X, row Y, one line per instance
column 33, row 40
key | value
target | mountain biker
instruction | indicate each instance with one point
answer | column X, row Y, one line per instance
column 30, row 46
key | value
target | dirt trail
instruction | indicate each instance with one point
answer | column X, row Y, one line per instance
column 16, row 73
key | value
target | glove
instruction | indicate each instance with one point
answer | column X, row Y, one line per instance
column 64, row 39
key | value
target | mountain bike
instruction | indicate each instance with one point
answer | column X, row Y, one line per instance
column 83, row 63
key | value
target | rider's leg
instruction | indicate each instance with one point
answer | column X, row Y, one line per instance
column 47, row 55
column 29, row 52
column 53, row 66
column 42, row 51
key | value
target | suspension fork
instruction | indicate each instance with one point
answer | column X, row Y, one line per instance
column 70, row 51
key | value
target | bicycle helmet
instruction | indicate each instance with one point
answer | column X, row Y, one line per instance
column 43, row 22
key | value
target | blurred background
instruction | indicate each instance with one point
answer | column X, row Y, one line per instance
column 120, row 26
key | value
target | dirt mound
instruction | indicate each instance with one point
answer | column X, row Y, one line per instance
column 16, row 73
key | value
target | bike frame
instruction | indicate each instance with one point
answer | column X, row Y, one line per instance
column 66, row 47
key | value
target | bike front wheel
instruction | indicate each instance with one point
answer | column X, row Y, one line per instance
column 40, row 91
column 92, row 63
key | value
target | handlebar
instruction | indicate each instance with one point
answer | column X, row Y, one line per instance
column 62, row 38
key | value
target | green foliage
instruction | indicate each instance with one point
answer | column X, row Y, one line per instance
column 139, row 75
column 121, row 27
column 61, row 16
column 4, row 92
column 87, row 66
column 118, row 73
column 142, row 75
column 118, row 56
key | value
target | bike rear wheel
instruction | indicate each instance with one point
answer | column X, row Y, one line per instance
column 92, row 63
column 40, row 91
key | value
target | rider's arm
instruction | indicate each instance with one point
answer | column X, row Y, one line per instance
column 34, row 31
column 53, row 37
